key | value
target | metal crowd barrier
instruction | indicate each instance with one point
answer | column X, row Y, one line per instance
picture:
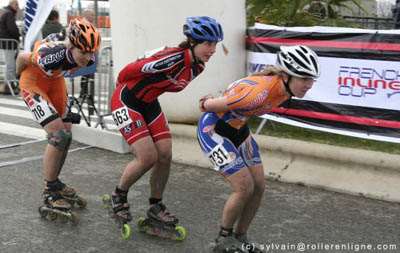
column 96, row 101
column 104, row 83
column 9, row 49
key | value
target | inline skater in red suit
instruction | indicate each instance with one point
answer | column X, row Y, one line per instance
column 139, row 117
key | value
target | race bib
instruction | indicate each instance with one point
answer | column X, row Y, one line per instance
column 121, row 117
column 40, row 108
column 219, row 156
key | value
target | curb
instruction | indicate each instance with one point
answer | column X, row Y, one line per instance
column 358, row 172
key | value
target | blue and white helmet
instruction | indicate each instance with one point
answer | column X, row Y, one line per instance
column 203, row 29
column 299, row 61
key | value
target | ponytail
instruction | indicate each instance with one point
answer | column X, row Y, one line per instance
column 184, row 44
column 270, row 70
column 189, row 43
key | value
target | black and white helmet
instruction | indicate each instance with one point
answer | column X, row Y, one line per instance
column 299, row 61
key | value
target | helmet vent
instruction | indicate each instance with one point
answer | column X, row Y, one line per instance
column 297, row 60
column 83, row 28
column 315, row 64
column 91, row 40
column 303, row 56
column 197, row 31
column 208, row 30
column 303, row 49
column 214, row 29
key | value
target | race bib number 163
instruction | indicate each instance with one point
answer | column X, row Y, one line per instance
column 121, row 117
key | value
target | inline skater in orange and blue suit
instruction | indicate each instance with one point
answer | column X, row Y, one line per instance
column 226, row 139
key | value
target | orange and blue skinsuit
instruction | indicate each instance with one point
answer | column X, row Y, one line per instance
column 225, row 137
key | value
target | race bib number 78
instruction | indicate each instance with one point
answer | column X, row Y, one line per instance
column 121, row 117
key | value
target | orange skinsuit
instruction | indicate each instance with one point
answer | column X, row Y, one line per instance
column 253, row 95
column 50, row 84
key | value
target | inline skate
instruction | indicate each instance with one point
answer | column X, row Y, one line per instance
column 228, row 244
column 70, row 195
column 251, row 247
column 118, row 209
column 57, row 208
column 161, row 223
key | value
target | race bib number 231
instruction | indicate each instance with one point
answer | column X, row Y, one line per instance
column 219, row 156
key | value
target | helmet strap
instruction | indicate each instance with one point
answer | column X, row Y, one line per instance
column 287, row 86
column 195, row 60
column 192, row 44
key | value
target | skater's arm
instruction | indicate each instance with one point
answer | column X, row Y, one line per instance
column 210, row 104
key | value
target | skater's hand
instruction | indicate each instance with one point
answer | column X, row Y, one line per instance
column 202, row 101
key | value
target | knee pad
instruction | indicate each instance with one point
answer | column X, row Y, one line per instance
column 60, row 139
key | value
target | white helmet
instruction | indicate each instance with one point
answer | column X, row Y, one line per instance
column 299, row 61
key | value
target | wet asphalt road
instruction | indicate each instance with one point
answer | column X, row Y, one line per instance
column 289, row 215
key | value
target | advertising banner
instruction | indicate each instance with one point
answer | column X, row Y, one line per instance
column 36, row 13
column 358, row 92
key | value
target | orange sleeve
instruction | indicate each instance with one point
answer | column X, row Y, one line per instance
column 243, row 93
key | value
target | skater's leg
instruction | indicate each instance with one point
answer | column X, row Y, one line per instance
column 145, row 157
column 160, row 172
column 242, row 189
column 145, row 154
column 252, row 205
column 158, row 181
column 66, row 191
column 67, row 127
column 58, row 141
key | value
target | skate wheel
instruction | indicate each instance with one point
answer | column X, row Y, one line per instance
column 126, row 231
column 180, row 233
column 74, row 218
column 141, row 225
column 63, row 218
column 81, row 203
column 42, row 212
column 106, row 199
column 51, row 216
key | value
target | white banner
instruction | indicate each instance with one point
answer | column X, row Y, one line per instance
column 358, row 92
column 368, row 83
column 36, row 13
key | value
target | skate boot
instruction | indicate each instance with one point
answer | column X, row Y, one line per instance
column 161, row 223
column 228, row 244
column 118, row 208
column 71, row 196
column 251, row 247
column 56, row 207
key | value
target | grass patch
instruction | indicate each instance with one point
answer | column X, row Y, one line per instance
column 277, row 129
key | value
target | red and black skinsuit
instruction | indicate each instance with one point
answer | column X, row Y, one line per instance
column 135, row 108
